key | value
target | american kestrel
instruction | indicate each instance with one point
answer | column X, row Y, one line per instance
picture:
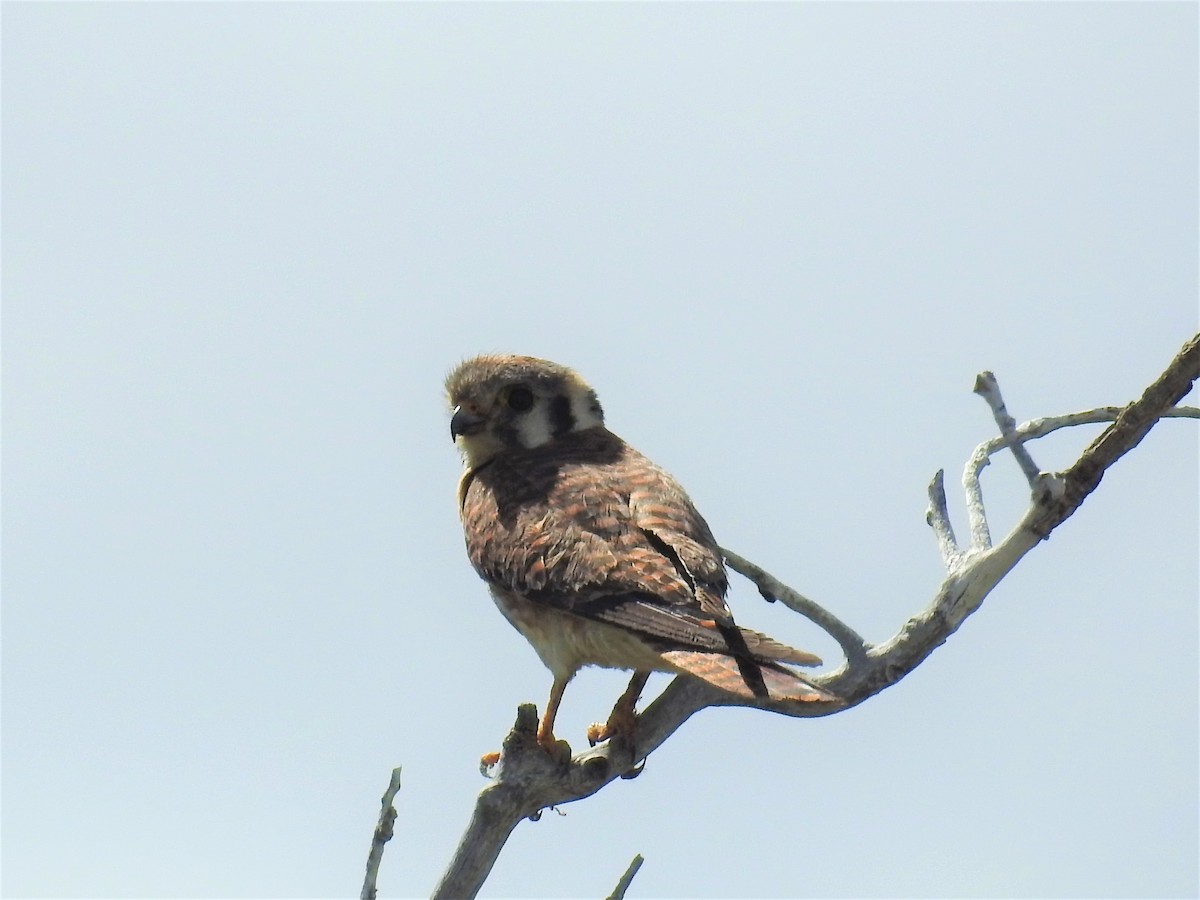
column 590, row 550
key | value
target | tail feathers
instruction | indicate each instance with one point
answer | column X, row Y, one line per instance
column 765, row 647
column 746, row 679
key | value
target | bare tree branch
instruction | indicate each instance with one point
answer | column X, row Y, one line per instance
column 1037, row 428
column 987, row 388
column 383, row 834
column 938, row 517
column 1133, row 424
column 626, row 879
column 773, row 589
column 529, row 780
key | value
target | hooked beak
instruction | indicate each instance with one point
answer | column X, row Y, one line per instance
column 464, row 422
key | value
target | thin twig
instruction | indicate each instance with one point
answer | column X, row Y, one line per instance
column 938, row 517
column 1037, row 428
column 987, row 388
column 383, row 834
column 626, row 879
column 772, row 589
column 1031, row 430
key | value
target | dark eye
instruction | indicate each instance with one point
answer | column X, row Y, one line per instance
column 520, row 398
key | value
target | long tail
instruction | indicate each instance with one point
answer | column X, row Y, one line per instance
column 746, row 678
column 762, row 647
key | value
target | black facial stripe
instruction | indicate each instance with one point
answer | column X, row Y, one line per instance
column 562, row 420
column 508, row 435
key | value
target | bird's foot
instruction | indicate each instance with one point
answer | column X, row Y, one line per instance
column 597, row 732
column 487, row 762
column 622, row 723
column 560, row 751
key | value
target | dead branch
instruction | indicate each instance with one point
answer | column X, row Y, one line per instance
column 528, row 780
column 383, row 834
column 626, row 879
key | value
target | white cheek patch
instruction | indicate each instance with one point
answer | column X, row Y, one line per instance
column 582, row 411
column 533, row 428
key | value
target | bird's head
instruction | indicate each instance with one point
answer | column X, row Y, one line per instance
column 506, row 402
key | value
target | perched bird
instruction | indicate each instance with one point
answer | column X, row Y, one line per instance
column 590, row 550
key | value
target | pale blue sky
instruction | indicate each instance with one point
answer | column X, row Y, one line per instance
column 242, row 244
